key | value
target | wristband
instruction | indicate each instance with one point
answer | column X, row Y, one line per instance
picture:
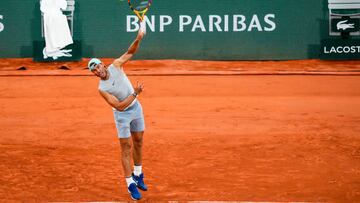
column 135, row 94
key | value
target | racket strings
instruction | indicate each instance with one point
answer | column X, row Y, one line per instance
column 140, row 5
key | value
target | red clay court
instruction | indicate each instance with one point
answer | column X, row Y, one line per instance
column 216, row 131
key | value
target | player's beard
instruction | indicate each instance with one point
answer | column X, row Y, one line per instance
column 103, row 74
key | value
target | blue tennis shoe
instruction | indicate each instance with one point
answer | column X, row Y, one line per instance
column 134, row 193
column 139, row 180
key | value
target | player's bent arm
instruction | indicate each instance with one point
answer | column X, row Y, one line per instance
column 115, row 103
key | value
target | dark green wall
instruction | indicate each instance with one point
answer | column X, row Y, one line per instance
column 101, row 26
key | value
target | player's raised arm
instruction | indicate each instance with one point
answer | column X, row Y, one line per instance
column 131, row 50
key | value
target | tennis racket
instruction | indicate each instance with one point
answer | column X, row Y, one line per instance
column 140, row 7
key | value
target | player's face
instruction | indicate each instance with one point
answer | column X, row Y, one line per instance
column 100, row 71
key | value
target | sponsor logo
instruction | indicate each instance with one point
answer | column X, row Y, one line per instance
column 2, row 26
column 341, row 49
column 209, row 23
column 337, row 48
column 344, row 19
column 343, row 25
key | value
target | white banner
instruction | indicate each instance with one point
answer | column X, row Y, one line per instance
column 2, row 26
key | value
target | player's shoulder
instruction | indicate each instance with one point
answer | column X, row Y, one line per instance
column 115, row 66
column 117, row 63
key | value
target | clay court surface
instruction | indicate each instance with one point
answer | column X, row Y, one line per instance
column 209, row 137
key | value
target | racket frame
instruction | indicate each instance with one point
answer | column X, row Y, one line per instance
column 140, row 14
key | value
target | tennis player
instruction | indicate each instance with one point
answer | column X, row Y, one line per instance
column 116, row 89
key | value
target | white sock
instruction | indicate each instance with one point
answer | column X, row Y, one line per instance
column 137, row 170
column 129, row 180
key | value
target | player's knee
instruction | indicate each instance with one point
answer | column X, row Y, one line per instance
column 138, row 141
column 126, row 148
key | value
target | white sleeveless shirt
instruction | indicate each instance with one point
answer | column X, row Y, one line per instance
column 118, row 84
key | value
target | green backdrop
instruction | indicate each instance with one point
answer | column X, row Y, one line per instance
column 292, row 30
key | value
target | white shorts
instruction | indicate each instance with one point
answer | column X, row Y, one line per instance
column 130, row 120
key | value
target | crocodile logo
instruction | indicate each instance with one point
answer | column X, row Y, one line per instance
column 343, row 25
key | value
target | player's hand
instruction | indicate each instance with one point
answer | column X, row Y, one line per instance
column 142, row 30
column 139, row 87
